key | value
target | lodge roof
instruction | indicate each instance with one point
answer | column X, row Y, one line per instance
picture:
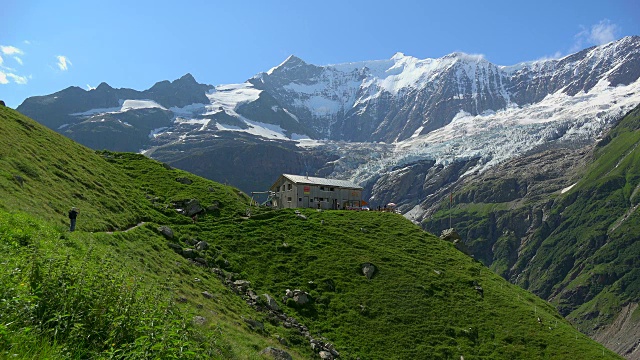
column 298, row 179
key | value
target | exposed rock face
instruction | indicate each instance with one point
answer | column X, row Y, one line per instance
column 623, row 334
column 55, row 110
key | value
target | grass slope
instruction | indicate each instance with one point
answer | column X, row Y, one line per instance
column 584, row 254
column 100, row 295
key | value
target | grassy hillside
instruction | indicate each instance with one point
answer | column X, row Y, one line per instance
column 578, row 248
column 596, row 225
column 95, row 293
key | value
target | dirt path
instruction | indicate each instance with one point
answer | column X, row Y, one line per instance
column 126, row 230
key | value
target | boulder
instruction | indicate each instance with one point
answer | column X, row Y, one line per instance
column 2, row 103
column 462, row 247
column 207, row 295
column 188, row 207
column 301, row 297
column 166, row 231
column 167, row 166
column 271, row 302
column 450, row 235
column 325, row 355
column 276, row 354
column 175, row 247
column 254, row 324
column 199, row 320
column 189, row 253
column 184, row 180
column 202, row 245
column 368, row 270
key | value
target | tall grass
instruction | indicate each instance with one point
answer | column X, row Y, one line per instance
column 53, row 304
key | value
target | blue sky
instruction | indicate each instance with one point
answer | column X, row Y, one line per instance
column 46, row 46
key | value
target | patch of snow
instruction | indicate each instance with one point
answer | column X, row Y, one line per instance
column 295, row 136
column 567, row 188
column 189, row 110
column 309, row 143
column 229, row 97
column 140, row 104
column 156, row 132
column 92, row 112
column 292, row 115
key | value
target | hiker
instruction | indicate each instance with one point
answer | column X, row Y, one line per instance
column 73, row 214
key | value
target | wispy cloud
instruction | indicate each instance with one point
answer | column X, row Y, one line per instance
column 63, row 62
column 11, row 50
column 27, row 42
column 89, row 87
column 8, row 74
column 598, row 34
column 18, row 79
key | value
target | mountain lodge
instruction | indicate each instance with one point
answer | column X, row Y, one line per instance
column 295, row 191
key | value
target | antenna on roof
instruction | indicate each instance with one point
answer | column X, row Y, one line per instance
column 307, row 175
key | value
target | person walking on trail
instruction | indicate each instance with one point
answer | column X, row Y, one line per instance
column 73, row 214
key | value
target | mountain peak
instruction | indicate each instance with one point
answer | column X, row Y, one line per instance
column 187, row 78
column 466, row 57
column 289, row 63
column 398, row 56
column 103, row 86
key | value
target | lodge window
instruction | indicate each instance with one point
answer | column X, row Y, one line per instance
column 289, row 199
column 288, row 186
column 321, row 188
column 331, row 189
column 299, row 199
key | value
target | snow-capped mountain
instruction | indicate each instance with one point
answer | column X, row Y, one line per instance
column 393, row 100
column 369, row 118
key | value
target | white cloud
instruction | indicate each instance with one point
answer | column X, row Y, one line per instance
column 11, row 50
column 555, row 56
column 601, row 33
column 63, row 62
column 3, row 78
column 18, row 79
column 18, row 60
column 27, row 42
column 1, row 60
